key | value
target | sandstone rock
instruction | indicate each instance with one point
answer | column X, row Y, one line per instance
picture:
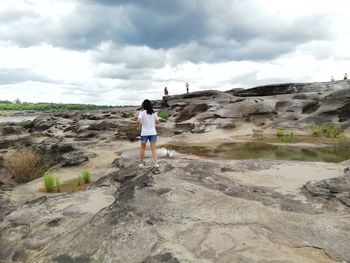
column 70, row 159
column 190, row 111
column 343, row 95
column 310, row 107
column 244, row 109
column 91, row 116
column 85, row 135
column 344, row 112
column 11, row 129
column 41, row 123
column 118, row 162
column 102, row 126
column 269, row 90
column 331, row 189
column 282, row 105
column 62, row 148
column 300, row 97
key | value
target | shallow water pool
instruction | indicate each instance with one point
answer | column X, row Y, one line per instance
column 257, row 150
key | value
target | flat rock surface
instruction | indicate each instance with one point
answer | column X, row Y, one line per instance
column 188, row 210
column 191, row 208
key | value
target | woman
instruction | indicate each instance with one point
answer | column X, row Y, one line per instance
column 146, row 122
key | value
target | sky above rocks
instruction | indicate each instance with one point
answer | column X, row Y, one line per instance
column 119, row 52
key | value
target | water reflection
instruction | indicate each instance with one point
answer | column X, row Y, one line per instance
column 254, row 150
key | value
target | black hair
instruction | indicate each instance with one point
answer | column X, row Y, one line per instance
column 147, row 105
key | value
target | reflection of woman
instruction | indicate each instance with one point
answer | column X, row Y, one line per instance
column 146, row 122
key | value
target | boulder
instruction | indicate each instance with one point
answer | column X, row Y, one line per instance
column 344, row 112
column 41, row 123
column 11, row 129
column 270, row 90
column 71, row 159
column 244, row 109
column 190, row 111
column 300, row 97
column 342, row 95
column 102, row 126
column 337, row 188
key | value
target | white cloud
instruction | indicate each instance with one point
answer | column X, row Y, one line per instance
column 120, row 52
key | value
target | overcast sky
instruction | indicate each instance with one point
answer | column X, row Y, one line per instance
column 119, row 52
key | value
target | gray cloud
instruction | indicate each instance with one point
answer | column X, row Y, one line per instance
column 13, row 76
column 134, row 57
column 217, row 31
column 134, row 45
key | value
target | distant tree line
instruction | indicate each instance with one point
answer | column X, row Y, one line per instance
column 8, row 105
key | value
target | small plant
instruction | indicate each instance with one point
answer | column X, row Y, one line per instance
column 280, row 132
column 288, row 138
column 283, row 136
column 164, row 115
column 49, row 181
column 58, row 184
column 86, row 176
column 326, row 130
column 25, row 165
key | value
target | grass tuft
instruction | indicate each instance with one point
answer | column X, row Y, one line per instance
column 58, row 184
column 283, row 136
column 86, row 176
column 49, row 181
column 25, row 165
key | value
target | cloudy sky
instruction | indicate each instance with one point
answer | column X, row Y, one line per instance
column 119, row 52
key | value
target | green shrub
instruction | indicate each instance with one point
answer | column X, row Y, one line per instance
column 164, row 115
column 288, row 138
column 49, row 181
column 283, row 136
column 86, row 176
column 326, row 130
column 279, row 132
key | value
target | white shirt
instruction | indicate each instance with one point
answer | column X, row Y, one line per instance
column 148, row 123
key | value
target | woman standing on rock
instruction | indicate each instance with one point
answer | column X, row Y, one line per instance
column 146, row 122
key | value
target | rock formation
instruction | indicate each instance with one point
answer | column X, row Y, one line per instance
column 190, row 209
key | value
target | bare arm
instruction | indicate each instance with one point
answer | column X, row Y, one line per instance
column 157, row 121
column 138, row 125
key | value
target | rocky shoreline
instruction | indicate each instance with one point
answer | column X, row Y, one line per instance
column 191, row 209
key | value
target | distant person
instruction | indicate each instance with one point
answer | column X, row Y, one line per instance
column 146, row 124
column 187, row 87
column 166, row 93
column 332, row 79
column 345, row 76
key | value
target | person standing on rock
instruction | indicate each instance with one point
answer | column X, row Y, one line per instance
column 187, row 87
column 166, row 93
column 345, row 76
column 146, row 123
